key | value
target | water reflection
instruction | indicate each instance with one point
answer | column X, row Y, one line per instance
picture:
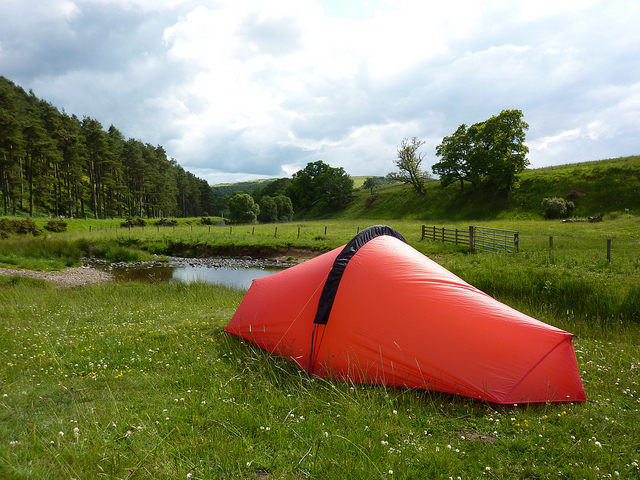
column 232, row 277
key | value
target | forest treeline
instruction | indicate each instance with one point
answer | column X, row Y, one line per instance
column 54, row 163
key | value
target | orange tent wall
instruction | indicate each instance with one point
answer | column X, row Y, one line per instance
column 399, row 318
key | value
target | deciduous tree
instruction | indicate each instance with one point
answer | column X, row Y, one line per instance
column 491, row 153
column 408, row 163
column 243, row 209
column 320, row 186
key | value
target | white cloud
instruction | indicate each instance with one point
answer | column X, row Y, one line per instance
column 551, row 141
column 253, row 88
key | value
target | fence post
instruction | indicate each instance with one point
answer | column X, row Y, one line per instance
column 253, row 230
column 609, row 250
column 551, row 243
column 434, row 232
column 471, row 239
column 456, row 236
column 275, row 235
column 325, row 230
column 442, row 234
column 516, row 241
column 298, row 231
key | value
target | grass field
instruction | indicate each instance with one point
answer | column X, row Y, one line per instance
column 139, row 381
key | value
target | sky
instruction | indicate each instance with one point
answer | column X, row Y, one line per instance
column 238, row 90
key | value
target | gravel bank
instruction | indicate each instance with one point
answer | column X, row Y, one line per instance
column 69, row 277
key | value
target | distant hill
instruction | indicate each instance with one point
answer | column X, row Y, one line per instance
column 223, row 189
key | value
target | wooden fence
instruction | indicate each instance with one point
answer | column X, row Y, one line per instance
column 476, row 238
column 459, row 237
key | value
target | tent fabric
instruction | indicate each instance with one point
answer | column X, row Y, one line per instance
column 398, row 318
column 337, row 270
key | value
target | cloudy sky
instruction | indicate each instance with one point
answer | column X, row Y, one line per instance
column 243, row 89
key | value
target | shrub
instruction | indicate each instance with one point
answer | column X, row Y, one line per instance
column 133, row 222
column 22, row 227
column 167, row 222
column 556, row 207
column 56, row 225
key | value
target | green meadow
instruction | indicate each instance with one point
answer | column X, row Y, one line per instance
column 139, row 380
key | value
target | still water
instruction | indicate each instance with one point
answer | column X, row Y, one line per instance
column 232, row 277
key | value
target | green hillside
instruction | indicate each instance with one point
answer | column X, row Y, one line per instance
column 604, row 186
column 610, row 186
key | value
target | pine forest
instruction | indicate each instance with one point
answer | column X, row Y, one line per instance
column 53, row 163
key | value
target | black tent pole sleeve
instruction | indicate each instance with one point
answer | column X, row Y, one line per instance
column 330, row 288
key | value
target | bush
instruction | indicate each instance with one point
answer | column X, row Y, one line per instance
column 133, row 222
column 23, row 227
column 556, row 207
column 56, row 225
column 167, row 222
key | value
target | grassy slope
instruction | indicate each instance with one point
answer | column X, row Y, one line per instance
column 606, row 186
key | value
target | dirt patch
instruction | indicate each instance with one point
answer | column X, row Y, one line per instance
column 69, row 277
column 478, row 437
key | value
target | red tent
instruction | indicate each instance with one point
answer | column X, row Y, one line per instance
column 378, row 311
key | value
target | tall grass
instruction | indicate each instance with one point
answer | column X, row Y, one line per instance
column 139, row 381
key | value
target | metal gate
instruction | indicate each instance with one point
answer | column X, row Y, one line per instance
column 495, row 240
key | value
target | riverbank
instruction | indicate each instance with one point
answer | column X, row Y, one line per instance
column 99, row 271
